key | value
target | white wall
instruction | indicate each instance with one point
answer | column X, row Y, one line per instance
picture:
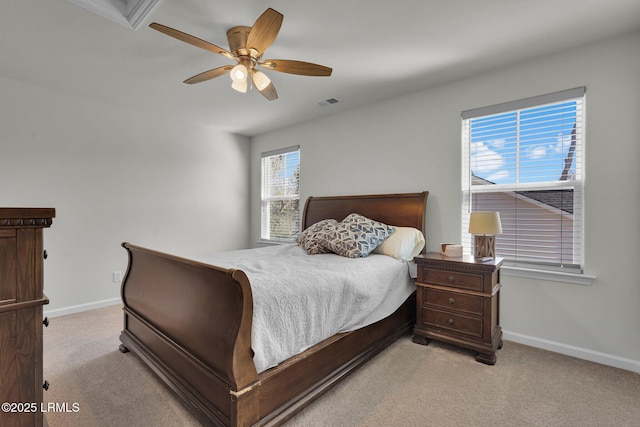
column 412, row 143
column 114, row 176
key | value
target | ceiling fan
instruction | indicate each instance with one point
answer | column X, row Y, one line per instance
column 246, row 47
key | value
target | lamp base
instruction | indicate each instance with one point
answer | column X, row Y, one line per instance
column 485, row 246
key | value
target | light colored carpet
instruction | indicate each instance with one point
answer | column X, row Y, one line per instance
column 406, row 385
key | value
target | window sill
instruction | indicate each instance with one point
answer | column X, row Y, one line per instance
column 554, row 276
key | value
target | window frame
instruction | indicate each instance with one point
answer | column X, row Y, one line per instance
column 527, row 268
column 266, row 197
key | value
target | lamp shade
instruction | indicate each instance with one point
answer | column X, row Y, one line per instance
column 485, row 223
column 260, row 79
column 240, row 86
column 239, row 74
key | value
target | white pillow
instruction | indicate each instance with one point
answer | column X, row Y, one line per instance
column 404, row 244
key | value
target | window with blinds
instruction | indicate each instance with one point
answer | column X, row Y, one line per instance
column 524, row 159
column 280, row 194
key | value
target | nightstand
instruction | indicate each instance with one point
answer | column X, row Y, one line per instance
column 458, row 301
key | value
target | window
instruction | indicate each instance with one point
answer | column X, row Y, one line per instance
column 280, row 194
column 524, row 159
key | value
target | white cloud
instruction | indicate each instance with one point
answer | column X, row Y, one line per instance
column 537, row 152
column 495, row 177
column 485, row 160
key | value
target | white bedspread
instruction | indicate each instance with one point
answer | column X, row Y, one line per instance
column 301, row 299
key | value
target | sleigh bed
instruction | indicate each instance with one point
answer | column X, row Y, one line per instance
column 191, row 323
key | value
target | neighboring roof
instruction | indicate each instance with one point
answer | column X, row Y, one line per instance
column 559, row 199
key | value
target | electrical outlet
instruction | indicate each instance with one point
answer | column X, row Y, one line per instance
column 117, row 276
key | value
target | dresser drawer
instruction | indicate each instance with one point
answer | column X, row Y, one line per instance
column 454, row 301
column 466, row 325
column 474, row 282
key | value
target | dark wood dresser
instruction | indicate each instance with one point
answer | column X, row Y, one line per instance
column 21, row 301
column 458, row 301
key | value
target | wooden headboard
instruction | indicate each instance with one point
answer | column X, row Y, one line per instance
column 400, row 210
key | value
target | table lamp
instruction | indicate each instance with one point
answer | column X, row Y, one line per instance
column 484, row 226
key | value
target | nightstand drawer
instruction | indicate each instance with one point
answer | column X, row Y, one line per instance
column 459, row 323
column 474, row 282
column 454, row 301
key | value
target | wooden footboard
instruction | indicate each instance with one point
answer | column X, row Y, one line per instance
column 191, row 322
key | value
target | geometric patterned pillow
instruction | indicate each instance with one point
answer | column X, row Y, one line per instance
column 309, row 238
column 356, row 236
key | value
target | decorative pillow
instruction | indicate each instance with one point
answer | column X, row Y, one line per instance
column 404, row 244
column 356, row 236
column 308, row 239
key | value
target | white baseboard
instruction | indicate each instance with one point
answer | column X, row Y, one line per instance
column 82, row 307
column 580, row 353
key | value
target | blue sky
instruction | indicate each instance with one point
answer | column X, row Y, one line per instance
column 544, row 141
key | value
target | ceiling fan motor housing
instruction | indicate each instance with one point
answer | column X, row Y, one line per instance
column 237, row 38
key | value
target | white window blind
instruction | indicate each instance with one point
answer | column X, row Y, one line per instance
column 524, row 159
column 280, row 194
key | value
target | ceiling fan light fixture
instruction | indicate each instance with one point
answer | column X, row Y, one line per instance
column 239, row 73
column 260, row 80
column 240, row 85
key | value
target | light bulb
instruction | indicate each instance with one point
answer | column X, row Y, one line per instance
column 238, row 73
column 260, row 79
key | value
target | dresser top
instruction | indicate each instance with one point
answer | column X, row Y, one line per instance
column 26, row 217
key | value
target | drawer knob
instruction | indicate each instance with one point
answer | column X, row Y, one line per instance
column 45, row 322
column 45, row 385
column 451, row 321
column 452, row 301
column 451, row 278
column 45, row 254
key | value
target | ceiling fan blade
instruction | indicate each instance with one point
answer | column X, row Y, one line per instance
column 208, row 75
column 264, row 31
column 297, row 67
column 269, row 92
column 187, row 38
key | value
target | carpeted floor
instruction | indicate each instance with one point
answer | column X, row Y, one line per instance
column 406, row 385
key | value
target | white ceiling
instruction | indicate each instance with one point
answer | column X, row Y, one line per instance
column 377, row 49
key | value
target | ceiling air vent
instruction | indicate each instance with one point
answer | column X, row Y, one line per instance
column 329, row 101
